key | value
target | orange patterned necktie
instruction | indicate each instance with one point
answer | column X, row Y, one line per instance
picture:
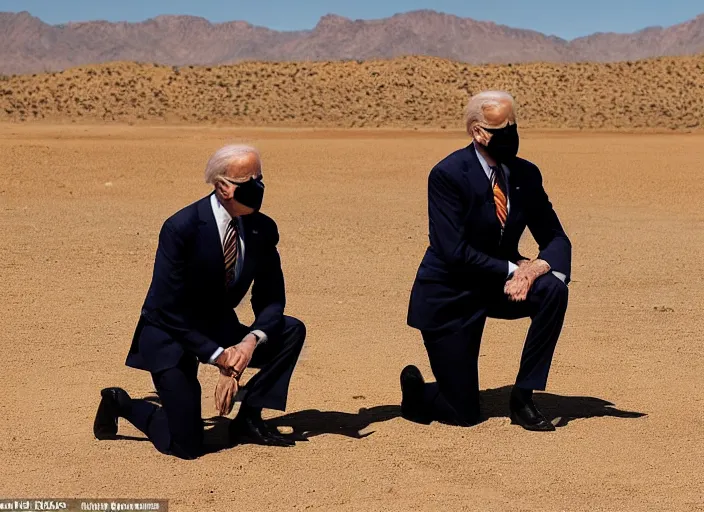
column 497, row 184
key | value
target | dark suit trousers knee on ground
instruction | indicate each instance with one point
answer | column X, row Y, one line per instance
column 454, row 356
column 176, row 428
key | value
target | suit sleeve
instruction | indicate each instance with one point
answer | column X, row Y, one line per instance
column 169, row 295
column 268, row 290
column 447, row 212
column 543, row 223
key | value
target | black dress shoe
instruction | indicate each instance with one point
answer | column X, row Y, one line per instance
column 112, row 404
column 412, row 386
column 248, row 427
column 529, row 417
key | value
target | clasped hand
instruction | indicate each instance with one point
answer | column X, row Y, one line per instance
column 232, row 363
column 523, row 277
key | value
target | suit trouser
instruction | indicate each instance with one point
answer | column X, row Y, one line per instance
column 176, row 428
column 454, row 356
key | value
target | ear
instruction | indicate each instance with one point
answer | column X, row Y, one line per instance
column 224, row 191
column 481, row 135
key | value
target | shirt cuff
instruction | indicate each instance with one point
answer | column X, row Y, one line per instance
column 562, row 277
column 215, row 355
column 263, row 338
column 511, row 268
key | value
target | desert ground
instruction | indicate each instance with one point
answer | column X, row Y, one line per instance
column 80, row 210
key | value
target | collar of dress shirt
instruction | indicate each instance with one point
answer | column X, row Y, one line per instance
column 485, row 165
column 222, row 217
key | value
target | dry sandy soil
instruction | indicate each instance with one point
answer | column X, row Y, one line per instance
column 413, row 92
column 80, row 209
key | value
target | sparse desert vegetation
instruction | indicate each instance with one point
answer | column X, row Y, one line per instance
column 412, row 92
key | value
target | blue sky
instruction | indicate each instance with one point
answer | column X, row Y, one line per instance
column 564, row 18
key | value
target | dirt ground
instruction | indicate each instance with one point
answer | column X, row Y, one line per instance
column 80, row 209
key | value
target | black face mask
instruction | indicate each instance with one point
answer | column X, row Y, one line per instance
column 503, row 145
column 250, row 193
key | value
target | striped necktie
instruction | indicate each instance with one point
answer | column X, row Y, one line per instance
column 498, row 186
column 231, row 248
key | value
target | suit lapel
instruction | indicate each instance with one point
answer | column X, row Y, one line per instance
column 476, row 175
column 479, row 182
column 210, row 246
column 514, row 193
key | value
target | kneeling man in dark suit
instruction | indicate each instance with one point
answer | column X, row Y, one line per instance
column 480, row 200
column 208, row 256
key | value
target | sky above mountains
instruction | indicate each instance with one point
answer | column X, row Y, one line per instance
column 565, row 19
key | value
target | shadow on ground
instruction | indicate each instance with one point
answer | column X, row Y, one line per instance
column 555, row 407
column 312, row 422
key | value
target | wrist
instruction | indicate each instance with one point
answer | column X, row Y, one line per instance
column 249, row 341
column 542, row 266
column 220, row 360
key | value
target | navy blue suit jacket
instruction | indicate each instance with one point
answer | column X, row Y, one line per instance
column 188, row 308
column 467, row 259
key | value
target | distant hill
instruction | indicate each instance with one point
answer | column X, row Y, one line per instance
column 656, row 94
column 28, row 45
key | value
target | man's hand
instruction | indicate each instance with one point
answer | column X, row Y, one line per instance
column 243, row 354
column 524, row 276
column 232, row 363
column 234, row 360
column 226, row 360
column 225, row 392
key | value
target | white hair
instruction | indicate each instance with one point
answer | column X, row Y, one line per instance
column 474, row 113
column 220, row 160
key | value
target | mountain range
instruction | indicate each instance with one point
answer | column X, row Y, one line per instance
column 28, row 45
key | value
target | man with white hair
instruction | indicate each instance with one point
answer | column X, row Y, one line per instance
column 208, row 256
column 480, row 200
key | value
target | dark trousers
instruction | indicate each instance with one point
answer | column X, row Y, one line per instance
column 176, row 428
column 454, row 356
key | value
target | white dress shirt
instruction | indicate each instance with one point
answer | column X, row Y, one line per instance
column 487, row 170
column 222, row 219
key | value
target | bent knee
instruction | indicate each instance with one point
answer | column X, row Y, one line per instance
column 553, row 285
column 187, row 449
column 296, row 327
